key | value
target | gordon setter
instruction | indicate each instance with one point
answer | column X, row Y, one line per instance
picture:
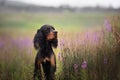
column 44, row 40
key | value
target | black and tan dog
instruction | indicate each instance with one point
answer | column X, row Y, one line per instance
column 44, row 40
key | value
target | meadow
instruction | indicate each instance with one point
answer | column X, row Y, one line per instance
column 89, row 45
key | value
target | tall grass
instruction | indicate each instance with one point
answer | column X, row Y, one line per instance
column 90, row 55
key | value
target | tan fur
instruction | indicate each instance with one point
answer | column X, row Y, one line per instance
column 51, row 60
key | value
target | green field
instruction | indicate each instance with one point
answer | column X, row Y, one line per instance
column 88, row 50
column 59, row 20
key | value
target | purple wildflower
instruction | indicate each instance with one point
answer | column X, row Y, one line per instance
column 59, row 56
column 26, row 42
column 95, row 38
column 75, row 67
column 105, row 60
column 107, row 25
column 22, row 42
column 61, row 44
column 1, row 44
column 84, row 64
column 87, row 35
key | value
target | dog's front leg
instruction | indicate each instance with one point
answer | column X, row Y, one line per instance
column 37, row 70
column 53, row 66
column 53, row 60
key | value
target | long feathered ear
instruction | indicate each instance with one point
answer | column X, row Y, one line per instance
column 39, row 41
column 54, row 43
column 36, row 40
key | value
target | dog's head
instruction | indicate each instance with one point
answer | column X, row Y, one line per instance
column 46, row 33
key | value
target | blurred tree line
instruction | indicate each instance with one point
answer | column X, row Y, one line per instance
column 15, row 6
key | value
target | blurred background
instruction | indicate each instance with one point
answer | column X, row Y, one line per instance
column 88, row 33
column 67, row 14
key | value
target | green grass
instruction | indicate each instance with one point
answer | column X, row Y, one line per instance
column 60, row 20
column 80, row 39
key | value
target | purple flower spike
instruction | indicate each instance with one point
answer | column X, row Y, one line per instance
column 95, row 37
column 84, row 64
column 59, row 56
column 87, row 35
column 1, row 44
column 75, row 67
column 105, row 60
column 61, row 44
column 108, row 25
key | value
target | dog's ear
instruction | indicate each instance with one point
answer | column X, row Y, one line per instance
column 54, row 43
column 38, row 30
column 37, row 38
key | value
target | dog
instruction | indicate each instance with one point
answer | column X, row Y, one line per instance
column 44, row 40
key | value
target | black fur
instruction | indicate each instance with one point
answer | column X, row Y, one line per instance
column 44, row 48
